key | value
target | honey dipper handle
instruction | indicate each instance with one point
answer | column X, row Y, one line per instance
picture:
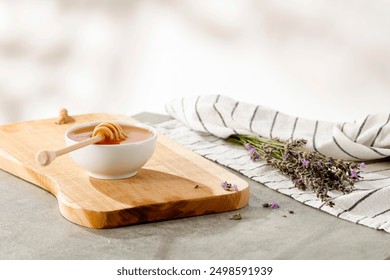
column 46, row 157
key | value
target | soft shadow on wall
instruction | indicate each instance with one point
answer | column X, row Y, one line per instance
column 323, row 60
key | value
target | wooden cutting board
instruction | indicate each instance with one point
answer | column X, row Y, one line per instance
column 175, row 183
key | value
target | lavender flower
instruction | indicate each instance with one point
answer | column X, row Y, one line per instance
column 229, row 187
column 247, row 146
column 308, row 170
column 353, row 174
column 252, row 151
column 274, row 205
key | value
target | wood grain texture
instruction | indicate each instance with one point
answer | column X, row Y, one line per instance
column 175, row 183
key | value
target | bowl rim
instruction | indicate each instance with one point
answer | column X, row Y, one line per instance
column 120, row 122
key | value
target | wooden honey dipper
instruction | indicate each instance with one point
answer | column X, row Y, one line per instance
column 107, row 132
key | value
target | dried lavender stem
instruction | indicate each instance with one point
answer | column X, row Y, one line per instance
column 307, row 169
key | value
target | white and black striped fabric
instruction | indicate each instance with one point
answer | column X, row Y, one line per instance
column 367, row 139
column 201, row 123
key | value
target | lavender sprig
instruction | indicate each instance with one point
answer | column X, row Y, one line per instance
column 308, row 170
column 228, row 186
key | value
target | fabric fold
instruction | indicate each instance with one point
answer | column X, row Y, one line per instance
column 221, row 116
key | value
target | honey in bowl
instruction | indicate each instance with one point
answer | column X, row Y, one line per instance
column 133, row 133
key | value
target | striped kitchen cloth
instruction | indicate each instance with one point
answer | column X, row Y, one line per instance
column 201, row 123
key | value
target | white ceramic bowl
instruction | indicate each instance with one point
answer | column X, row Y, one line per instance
column 116, row 161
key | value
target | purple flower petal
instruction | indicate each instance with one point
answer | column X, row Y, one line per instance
column 353, row 174
column 229, row 187
column 305, row 163
column 297, row 180
column 224, row 185
column 247, row 146
column 274, row 205
column 254, row 154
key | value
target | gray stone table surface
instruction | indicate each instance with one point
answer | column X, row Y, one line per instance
column 31, row 227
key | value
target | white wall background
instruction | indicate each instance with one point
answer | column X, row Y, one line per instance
column 317, row 59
